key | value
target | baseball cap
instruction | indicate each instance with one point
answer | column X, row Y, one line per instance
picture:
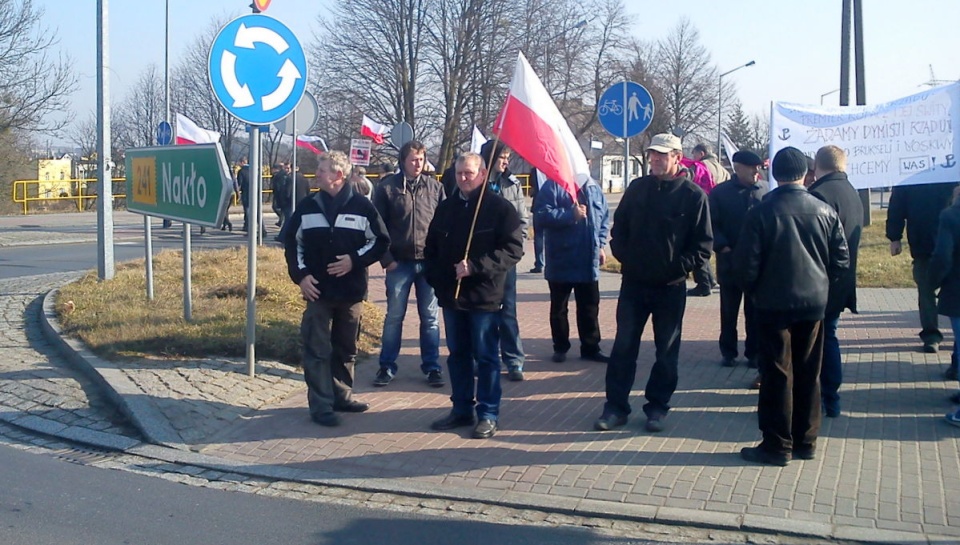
column 665, row 143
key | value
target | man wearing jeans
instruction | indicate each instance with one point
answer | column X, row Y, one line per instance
column 406, row 202
column 661, row 232
column 330, row 241
column 833, row 187
column 469, row 280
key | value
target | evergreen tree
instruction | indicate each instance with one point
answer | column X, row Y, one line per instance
column 738, row 127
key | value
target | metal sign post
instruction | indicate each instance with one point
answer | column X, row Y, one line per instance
column 253, row 233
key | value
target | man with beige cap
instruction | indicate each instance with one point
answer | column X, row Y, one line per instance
column 661, row 232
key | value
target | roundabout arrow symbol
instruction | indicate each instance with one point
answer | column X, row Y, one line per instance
column 288, row 75
column 228, row 71
column 248, row 36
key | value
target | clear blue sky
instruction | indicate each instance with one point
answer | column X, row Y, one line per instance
column 795, row 43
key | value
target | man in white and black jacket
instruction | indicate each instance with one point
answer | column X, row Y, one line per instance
column 332, row 238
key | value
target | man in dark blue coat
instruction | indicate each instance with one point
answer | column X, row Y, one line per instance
column 575, row 233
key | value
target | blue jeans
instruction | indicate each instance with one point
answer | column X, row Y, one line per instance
column 955, row 326
column 637, row 304
column 473, row 335
column 511, row 347
column 398, row 283
column 831, row 370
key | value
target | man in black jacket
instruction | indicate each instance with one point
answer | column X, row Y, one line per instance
column 833, row 187
column 729, row 203
column 791, row 250
column 661, row 232
column 917, row 208
column 330, row 241
column 469, row 283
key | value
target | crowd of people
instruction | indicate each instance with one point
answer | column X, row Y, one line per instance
column 787, row 256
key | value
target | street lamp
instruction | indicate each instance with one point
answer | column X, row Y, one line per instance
column 720, row 103
column 828, row 93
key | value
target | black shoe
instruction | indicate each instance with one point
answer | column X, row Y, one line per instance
column 931, row 347
column 762, row 456
column 831, row 410
column 559, row 357
column 515, row 375
column 485, row 429
column 654, row 423
column 352, row 407
column 435, row 379
column 330, row 420
column 536, row 270
column 728, row 362
column 950, row 373
column 702, row 290
column 609, row 421
column 452, row 421
column 597, row 356
column 955, row 398
column 384, row 376
column 203, row 230
column 752, row 363
column 755, row 385
column 808, row 452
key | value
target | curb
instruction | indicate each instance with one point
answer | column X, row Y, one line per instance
column 164, row 444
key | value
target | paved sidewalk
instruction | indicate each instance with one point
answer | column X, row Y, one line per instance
column 887, row 470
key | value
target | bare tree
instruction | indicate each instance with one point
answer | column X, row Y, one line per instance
column 141, row 110
column 33, row 82
column 688, row 80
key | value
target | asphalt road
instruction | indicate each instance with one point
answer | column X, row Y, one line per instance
column 46, row 501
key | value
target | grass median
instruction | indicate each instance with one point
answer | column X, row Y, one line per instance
column 116, row 321
column 876, row 268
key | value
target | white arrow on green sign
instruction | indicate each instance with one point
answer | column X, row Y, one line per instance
column 182, row 183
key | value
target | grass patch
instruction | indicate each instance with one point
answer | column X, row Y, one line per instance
column 876, row 268
column 115, row 319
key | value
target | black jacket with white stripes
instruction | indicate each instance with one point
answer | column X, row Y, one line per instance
column 324, row 227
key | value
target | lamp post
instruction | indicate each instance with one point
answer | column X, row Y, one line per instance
column 720, row 103
column 828, row 93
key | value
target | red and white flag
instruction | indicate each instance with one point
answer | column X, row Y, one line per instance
column 305, row 141
column 532, row 125
column 189, row 132
column 373, row 130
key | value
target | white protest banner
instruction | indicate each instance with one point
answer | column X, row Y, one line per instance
column 904, row 142
column 360, row 151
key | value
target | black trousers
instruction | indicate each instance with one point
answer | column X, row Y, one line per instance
column 587, row 296
column 703, row 275
column 329, row 330
column 730, row 298
column 789, row 406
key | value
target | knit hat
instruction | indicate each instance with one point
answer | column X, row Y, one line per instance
column 789, row 165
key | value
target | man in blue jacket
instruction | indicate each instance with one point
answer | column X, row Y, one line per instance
column 575, row 233
column 330, row 241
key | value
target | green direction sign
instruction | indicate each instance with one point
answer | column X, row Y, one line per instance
column 183, row 183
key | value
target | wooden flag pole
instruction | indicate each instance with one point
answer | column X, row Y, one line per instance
column 476, row 213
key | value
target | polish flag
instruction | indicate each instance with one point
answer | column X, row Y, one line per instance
column 307, row 142
column 189, row 132
column 534, row 128
column 373, row 129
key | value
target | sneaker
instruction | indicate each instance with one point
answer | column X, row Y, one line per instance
column 702, row 290
column 435, row 379
column 728, row 362
column 931, row 347
column 384, row 376
column 559, row 357
column 485, row 429
column 954, row 418
column 654, row 423
column 762, row 456
column 515, row 375
column 609, row 421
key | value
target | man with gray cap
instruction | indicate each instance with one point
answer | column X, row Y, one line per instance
column 790, row 253
column 729, row 203
column 661, row 232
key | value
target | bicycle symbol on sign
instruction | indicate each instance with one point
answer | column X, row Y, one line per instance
column 610, row 106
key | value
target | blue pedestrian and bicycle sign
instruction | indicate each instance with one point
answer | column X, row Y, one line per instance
column 164, row 134
column 625, row 109
column 257, row 69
